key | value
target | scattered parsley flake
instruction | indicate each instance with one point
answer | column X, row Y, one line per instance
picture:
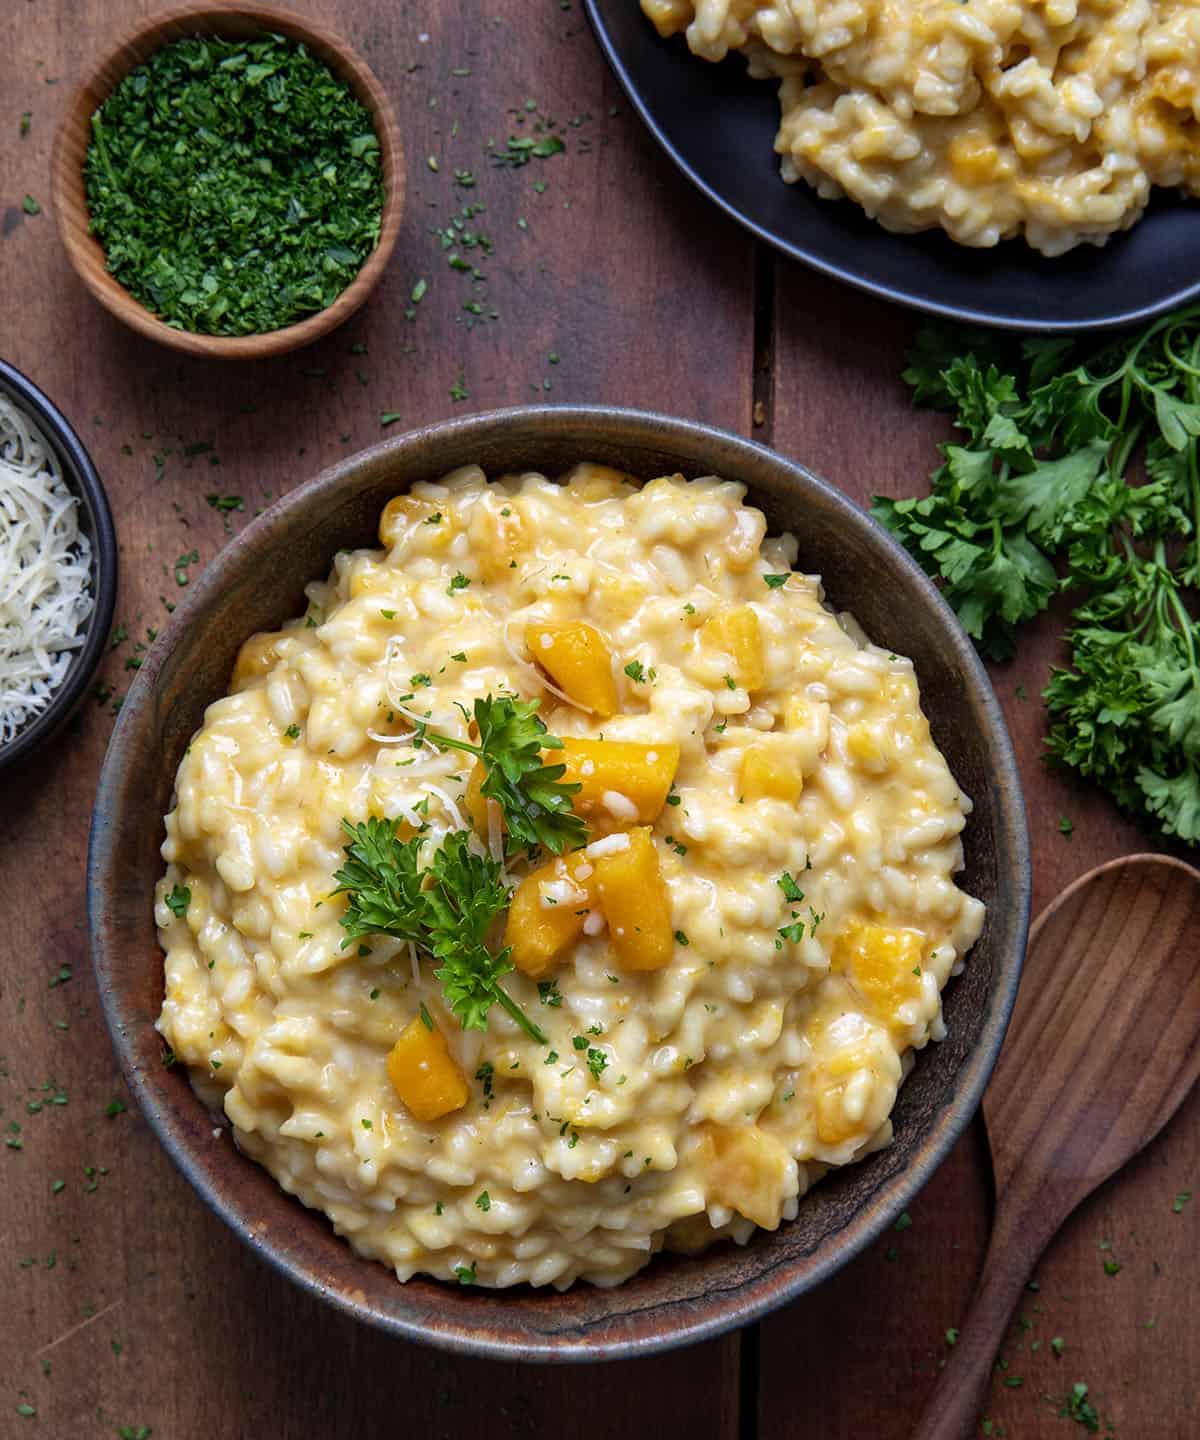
column 178, row 900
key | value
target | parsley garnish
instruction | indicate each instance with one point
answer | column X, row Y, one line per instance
column 483, row 1201
column 548, row 993
column 636, row 672
column 446, row 910
column 535, row 804
column 1049, row 434
column 791, row 891
column 178, row 901
column 1079, row 1408
column 775, row 581
column 234, row 185
column 521, row 149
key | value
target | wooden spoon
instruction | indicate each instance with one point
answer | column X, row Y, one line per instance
column 1104, row 1044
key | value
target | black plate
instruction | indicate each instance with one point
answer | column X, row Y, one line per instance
column 95, row 521
column 719, row 127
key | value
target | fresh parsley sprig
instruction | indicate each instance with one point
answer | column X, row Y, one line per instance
column 446, row 910
column 1043, row 480
column 535, row 803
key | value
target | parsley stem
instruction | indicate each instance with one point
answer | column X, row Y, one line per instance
column 523, row 1020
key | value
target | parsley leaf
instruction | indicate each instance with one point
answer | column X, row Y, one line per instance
column 446, row 910
column 535, row 803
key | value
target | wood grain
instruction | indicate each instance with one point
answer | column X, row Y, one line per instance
column 1104, row 1044
column 836, row 402
column 604, row 274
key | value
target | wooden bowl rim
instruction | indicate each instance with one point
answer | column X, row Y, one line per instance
column 69, row 201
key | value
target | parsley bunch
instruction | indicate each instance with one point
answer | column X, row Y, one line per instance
column 446, row 910
column 536, row 804
column 1042, row 483
column 234, row 185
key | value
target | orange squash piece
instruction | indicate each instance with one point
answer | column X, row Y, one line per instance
column 424, row 1074
column 633, row 897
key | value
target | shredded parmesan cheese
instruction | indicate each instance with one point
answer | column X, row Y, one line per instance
column 45, row 573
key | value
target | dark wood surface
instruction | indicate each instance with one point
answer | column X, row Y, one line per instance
column 129, row 1305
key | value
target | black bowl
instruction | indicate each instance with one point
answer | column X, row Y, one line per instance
column 95, row 521
column 719, row 127
column 255, row 583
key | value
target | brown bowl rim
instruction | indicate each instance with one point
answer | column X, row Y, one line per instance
column 69, row 200
column 480, row 1323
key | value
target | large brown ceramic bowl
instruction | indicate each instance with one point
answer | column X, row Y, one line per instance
column 256, row 583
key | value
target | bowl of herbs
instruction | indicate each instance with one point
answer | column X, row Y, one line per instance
column 229, row 180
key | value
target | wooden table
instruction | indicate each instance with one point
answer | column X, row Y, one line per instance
column 125, row 1302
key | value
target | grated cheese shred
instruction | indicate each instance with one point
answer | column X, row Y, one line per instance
column 45, row 573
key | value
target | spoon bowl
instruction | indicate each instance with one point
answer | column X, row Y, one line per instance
column 1103, row 1047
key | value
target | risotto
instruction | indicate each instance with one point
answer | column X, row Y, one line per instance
column 723, row 955
column 991, row 118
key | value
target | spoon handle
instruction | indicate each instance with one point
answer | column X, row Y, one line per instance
column 1019, row 1236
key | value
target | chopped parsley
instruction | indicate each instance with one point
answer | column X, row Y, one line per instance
column 234, row 185
column 775, row 581
column 791, row 891
column 178, row 901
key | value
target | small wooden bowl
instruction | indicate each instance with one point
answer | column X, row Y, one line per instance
column 231, row 21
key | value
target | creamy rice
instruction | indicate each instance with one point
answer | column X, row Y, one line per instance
column 1051, row 119
column 771, row 1045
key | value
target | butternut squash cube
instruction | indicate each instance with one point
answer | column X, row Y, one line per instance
column 619, row 595
column 577, row 658
column 540, row 933
column 867, row 749
column 257, row 657
column 402, row 512
column 632, row 894
column 747, row 1170
column 738, row 634
column 770, row 773
column 884, row 964
column 497, row 536
column 424, row 1074
column 834, row 1125
column 639, row 774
